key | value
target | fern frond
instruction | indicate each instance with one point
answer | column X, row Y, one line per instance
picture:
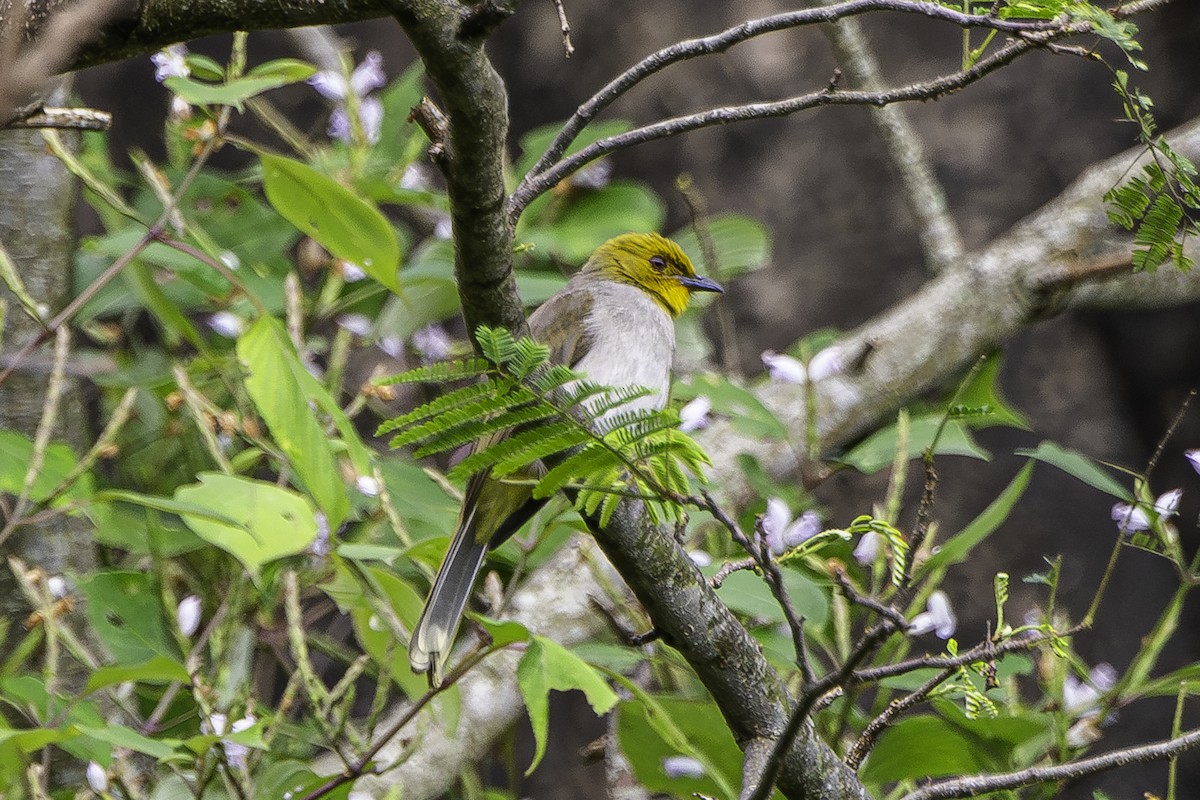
column 444, row 403
column 496, row 344
column 519, row 450
column 481, row 411
column 586, row 463
column 441, row 372
column 612, row 398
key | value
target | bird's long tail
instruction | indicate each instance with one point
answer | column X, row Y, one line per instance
column 429, row 648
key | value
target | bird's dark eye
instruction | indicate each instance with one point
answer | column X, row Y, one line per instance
column 658, row 262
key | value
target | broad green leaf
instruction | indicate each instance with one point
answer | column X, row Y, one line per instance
column 361, row 551
column 159, row 669
column 748, row 593
column 167, row 504
column 653, row 728
column 125, row 611
column 1077, row 464
column 877, row 451
column 921, row 746
column 377, row 637
column 503, row 632
column 272, row 522
column 289, row 70
column 16, row 452
column 281, row 389
column 742, row 244
column 120, row 736
column 347, row 226
column 548, row 665
column 958, row 547
column 980, row 402
column 744, row 409
column 595, row 217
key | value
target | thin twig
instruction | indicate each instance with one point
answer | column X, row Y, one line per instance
column 80, row 119
column 565, row 27
column 863, row 744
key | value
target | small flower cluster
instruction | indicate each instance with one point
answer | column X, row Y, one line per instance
column 354, row 93
column 1135, row 517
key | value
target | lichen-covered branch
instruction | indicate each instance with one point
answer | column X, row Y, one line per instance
column 476, row 105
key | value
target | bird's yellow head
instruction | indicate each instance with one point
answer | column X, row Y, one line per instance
column 654, row 264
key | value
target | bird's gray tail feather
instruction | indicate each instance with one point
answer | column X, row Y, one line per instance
column 433, row 636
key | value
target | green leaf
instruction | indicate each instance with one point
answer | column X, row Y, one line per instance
column 281, row 389
column 290, row 70
column 596, row 217
column 742, row 244
column 653, row 728
column 16, row 452
column 347, row 226
column 125, row 611
column 375, row 636
column 119, row 736
column 984, row 405
column 548, row 665
column 747, row 593
column 877, row 450
column 272, row 522
column 922, row 746
column 958, row 547
column 158, row 669
column 747, row 413
column 234, row 93
column 1080, row 466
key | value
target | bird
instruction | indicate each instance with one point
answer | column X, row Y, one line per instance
column 614, row 324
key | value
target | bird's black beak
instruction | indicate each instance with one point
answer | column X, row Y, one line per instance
column 699, row 284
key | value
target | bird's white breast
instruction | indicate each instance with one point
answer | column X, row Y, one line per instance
column 632, row 343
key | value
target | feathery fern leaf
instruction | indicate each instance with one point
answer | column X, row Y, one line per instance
column 441, row 372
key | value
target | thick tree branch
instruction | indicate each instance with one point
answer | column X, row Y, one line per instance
column 1041, row 267
column 474, row 100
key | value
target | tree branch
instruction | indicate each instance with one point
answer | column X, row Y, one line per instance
column 476, row 105
column 978, row 785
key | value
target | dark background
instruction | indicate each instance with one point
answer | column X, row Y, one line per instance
column 1106, row 384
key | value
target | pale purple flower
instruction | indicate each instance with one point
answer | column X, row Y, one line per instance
column 1193, row 457
column 188, row 615
column 366, row 78
column 235, row 753
column 227, row 324
column 370, row 114
column 1167, row 504
column 358, row 324
column 97, row 778
column 170, row 63
column 351, row 272
column 784, row 368
column 432, row 342
column 58, row 586
column 392, row 345
column 215, row 724
column 1130, row 518
column 443, row 229
column 781, row 532
column 694, row 415
column 868, row 548
column 679, row 766
column 828, row 362
column 320, row 544
column 413, row 178
column 937, row 617
column 1082, row 699
column 596, row 175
